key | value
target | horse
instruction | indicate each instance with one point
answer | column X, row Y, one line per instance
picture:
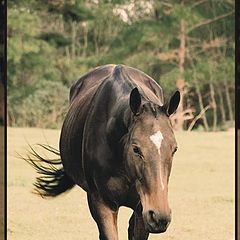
column 117, row 143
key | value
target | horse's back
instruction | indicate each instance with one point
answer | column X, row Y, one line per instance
column 91, row 80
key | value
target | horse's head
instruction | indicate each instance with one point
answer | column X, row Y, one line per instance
column 150, row 151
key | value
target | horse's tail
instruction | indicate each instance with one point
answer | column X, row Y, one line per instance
column 53, row 180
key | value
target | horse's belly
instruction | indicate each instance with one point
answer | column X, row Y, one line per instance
column 71, row 140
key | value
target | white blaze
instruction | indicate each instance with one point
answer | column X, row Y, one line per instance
column 157, row 138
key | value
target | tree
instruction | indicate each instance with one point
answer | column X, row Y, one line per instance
column 182, row 44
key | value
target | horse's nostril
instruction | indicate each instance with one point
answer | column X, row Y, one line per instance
column 152, row 217
column 157, row 222
column 151, row 214
column 163, row 223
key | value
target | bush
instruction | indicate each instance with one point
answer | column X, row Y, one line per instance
column 44, row 108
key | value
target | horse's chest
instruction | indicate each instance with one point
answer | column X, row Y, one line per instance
column 116, row 189
column 116, row 184
column 120, row 192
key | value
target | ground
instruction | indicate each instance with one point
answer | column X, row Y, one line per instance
column 201, row 193
column 238, row 179
column 1, row 182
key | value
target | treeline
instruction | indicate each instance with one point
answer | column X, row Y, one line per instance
column 188, row 45
column 2, row 60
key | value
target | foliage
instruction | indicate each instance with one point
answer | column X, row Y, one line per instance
column 55, row 39
column 52, row 43
column 42, row 107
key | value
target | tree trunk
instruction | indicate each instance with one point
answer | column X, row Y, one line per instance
column 96, row 43
column 2, row 105
column 214, row 106
column 85, row 39
column 73, row 40
column 221, row 106
column 68, row 53
column 204, row 118
column 78, row 51
column 229, row 104
column 180, row 83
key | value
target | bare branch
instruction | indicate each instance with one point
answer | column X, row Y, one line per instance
column 208, row 21
column 214, row 43
column 231, row 2
column 172, row 55
column 166, row 4
column 185, row 115
column 169, row 55
column 198, row 117
column 198, row 3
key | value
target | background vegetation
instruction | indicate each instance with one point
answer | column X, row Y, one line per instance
column 2, row 59
column 187, row 45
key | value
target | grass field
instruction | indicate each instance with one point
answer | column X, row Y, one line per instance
column 201, row 193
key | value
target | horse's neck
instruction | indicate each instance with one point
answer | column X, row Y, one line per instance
column 118, row 124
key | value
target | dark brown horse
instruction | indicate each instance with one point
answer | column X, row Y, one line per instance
column 117, row 144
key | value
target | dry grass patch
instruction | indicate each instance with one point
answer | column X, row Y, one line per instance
column 201, row 193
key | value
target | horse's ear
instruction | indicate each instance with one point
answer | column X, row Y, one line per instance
column 173, row 103
column 135, row 101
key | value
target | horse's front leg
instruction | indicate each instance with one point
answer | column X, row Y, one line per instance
column 104, row 216
column 136, row 229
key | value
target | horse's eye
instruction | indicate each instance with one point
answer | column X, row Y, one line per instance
column 137, row 150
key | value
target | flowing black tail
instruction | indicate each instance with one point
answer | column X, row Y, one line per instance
column 53, row 180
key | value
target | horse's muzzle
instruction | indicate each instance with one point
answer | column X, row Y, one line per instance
column 155, row 222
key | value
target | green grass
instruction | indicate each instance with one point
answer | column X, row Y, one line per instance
column 201, row 193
